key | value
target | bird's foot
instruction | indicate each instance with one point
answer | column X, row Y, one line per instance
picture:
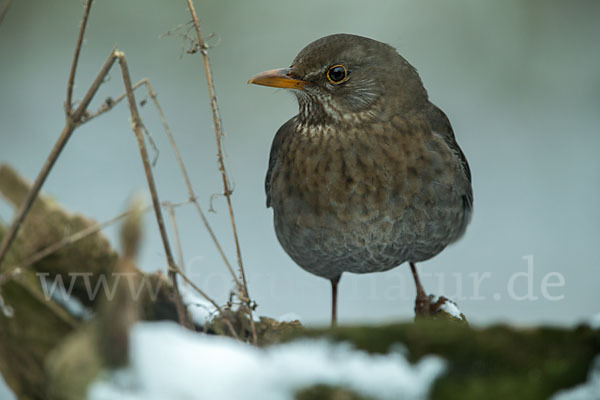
column 427, row 306
column 437, row 307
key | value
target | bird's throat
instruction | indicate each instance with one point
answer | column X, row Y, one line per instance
column 319, row 113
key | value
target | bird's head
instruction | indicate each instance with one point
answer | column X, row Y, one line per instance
column 342, row 75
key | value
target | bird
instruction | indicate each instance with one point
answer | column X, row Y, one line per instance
column 368, row 175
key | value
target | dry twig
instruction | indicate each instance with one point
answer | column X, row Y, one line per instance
column 244, row 296
column 111, row 103
column 79, row 116
column 73, row 121
column 17, row 269
column 175, row 227
column 71, row 82
column 188, row 183
column 137, row 129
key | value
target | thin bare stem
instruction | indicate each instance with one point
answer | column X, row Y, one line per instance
column 173, row 218
column 33, row 192
column 79, row 114
column 188, row 183
column 137, row 129
column 73, row 120
column 219, row 134
column 71, row 82
column 197, row 289
column 111, row 103
column 18, row 269
column 4, row 9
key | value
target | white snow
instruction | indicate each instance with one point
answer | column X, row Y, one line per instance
column 7, row 310
column 589, row 390
column 200, row 310
column 169, row 362
column 451, row 308
column 65, row 299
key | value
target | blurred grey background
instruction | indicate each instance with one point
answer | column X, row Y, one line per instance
column 519, row 80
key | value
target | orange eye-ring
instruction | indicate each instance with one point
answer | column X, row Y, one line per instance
column 337, row 74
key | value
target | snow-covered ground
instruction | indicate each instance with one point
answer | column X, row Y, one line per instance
column 170, row 362
column 200, row 310
column 589, row 390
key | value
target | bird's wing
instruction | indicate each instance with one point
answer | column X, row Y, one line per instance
column 286, row 130
column 440, row 125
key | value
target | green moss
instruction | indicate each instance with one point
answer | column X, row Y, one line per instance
column 499, row 362
column 25, row 340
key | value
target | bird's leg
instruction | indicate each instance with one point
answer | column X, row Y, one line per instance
column 334, row 285
column 422, row 303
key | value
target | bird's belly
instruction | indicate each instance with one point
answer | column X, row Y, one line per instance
column 329, row 249
column 328, row 246
column 331, row 229
column 366, row 204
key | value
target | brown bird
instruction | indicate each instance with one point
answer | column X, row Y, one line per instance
column 368, row 175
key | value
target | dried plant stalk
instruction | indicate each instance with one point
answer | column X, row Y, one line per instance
column 111, row 103
column 136, row 124
column 244, row 296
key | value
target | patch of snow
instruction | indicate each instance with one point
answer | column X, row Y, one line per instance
column 452, row 308
column 201, row 310
column 73, row 306
column 589, row 390
column 169, row 362
column 67, row 300
column 7, row 310
column 6, row 392
column 449, row 307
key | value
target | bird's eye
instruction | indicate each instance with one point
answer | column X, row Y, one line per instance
column 337, row 74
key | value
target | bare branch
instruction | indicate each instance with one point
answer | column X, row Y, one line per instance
column 219, row 134
column 196, row 288
column 73, row 121
column 207, row 297
column 188, row 183
column 71, row 82
column 110, row 103
column 173, row 218
column 79, row 114
column 137, row 129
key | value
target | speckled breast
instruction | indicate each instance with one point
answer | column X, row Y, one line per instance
column 365, row 200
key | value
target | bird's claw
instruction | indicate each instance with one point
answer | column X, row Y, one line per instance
column 428, row 305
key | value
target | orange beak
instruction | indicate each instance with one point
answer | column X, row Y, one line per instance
column 280, row 78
